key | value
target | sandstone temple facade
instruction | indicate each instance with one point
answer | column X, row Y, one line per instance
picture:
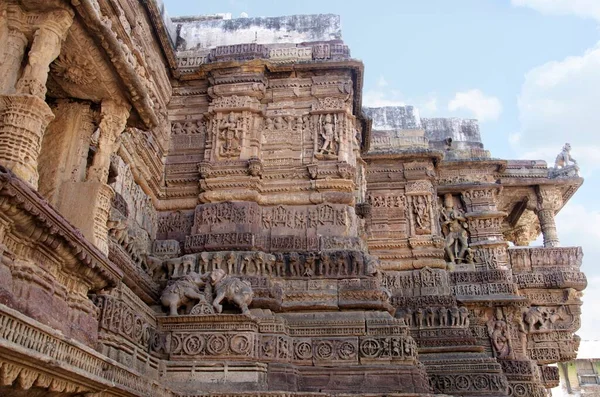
column 202, row 206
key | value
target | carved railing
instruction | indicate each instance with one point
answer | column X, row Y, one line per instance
column 42, row 344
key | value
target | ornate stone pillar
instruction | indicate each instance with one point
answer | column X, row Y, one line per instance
column 25, row 115
column 113, row 121
column 87, row 204
column 549, row 201
column 13, row 58
column 44, row 50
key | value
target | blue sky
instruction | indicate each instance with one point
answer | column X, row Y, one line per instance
column 529, row 70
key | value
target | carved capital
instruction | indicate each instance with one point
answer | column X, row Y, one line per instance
column 548, row 198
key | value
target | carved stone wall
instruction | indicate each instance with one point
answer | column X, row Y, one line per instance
column 179, row 185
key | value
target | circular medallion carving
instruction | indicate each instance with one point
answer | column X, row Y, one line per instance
column 462, row 382
column 202, row 308
column 128, row 321
column 303, row 351
column 138, row 329
column 193, row 344
column 481, row 382
column 324, row 350
column 347, row 351
column 217, row 344
column 519, row 390
column 370, row 348
column 240, row 344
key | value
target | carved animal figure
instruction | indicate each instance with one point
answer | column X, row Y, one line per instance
column 231, row 289
column 181, row 266
column 564, row 157
column 183, row 292
column 154, row 267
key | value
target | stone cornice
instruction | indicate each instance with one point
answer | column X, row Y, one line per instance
column 42, row 223
column 138, row 92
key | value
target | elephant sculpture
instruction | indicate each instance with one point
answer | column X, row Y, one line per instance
column 183, row 292
column 231, row 289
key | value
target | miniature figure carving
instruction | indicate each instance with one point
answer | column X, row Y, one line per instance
column 500, row 342
column 230, row 134
column 231, row 289
column 183, row 292
column 328, row 135
column 454, row 226
column 422, row 219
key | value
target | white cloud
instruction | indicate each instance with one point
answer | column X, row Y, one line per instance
column 559, row 103
column 381, row 82
column 378, row 98
column 429, row 107
column 481, row 106
column 580, row 8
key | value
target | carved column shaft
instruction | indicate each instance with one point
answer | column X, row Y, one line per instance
column 549, row 200
column 25, row 116
column 12, row 60
column 45, row 48
column 548, row 227
column 23, row 120
column 114, row 119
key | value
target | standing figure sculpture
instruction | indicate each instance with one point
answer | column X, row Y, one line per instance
column 230, row 134
column 454, row 227
column 329, row 136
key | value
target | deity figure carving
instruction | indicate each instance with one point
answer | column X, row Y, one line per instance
column 498, row 332
column 454, row 227
column 421, row 212
column 564, row 157
column 230, row 134
column 329, row 136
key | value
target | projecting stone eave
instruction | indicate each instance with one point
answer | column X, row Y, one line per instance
column 404, row 155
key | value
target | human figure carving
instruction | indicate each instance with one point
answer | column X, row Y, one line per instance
column 421, row 212
column 564, row 157
column 500, row 342
column 309, row 265
column 231, row 260
column 329, row 136
column 454, row 226
column 230, row 134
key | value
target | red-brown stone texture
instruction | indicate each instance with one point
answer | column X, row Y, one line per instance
column 199, row 206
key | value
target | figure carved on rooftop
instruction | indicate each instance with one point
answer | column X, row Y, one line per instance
column 564, row 157
column 455, row 230
column 230, row 134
